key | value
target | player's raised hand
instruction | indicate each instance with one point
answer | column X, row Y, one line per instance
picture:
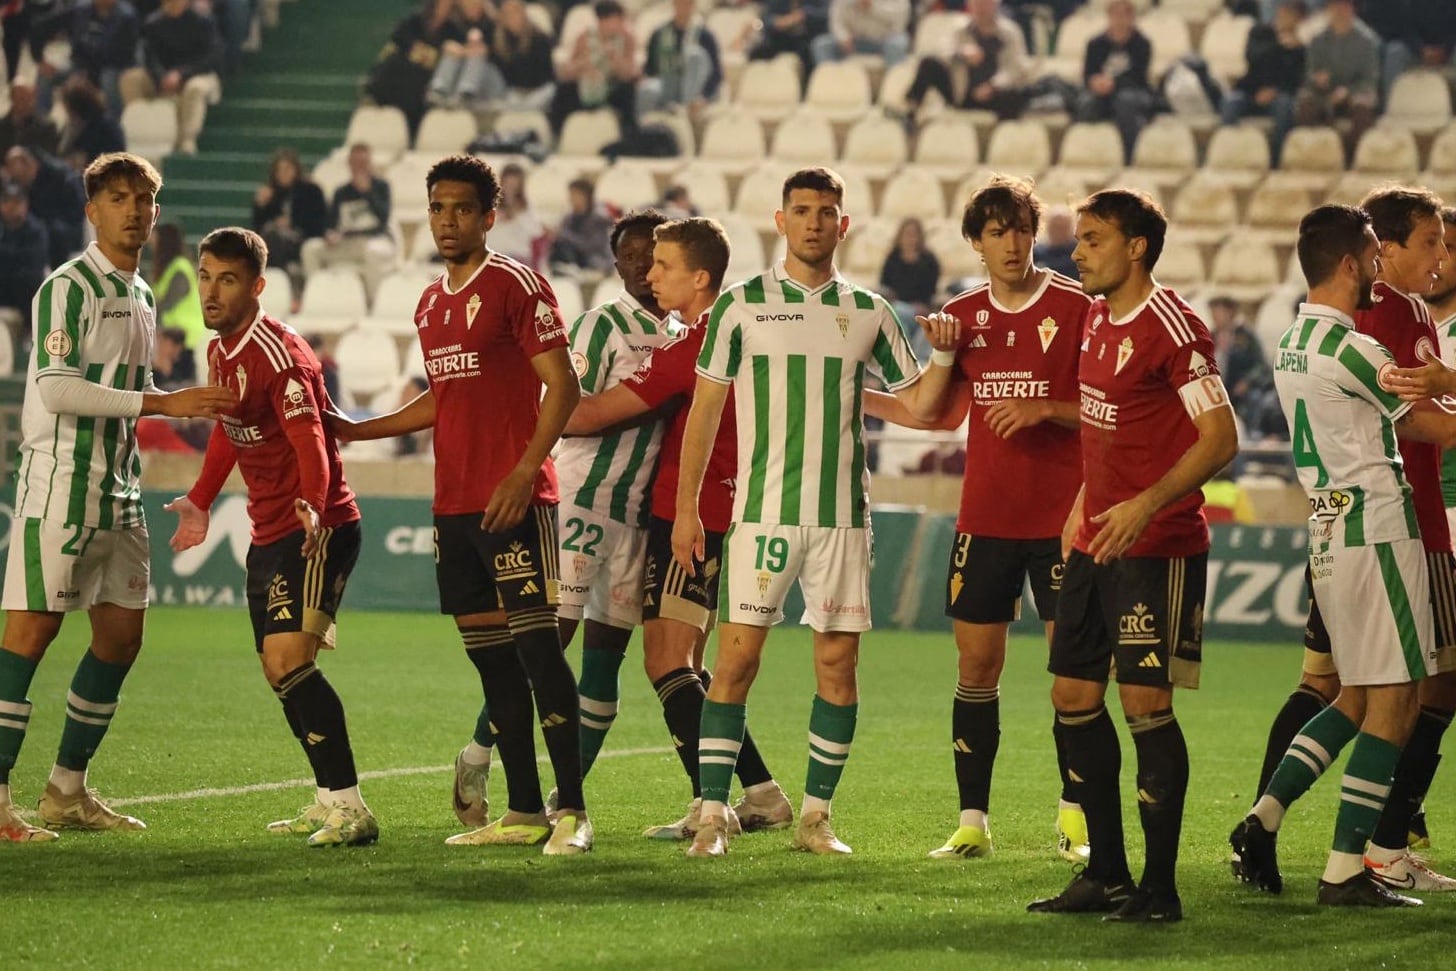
column 309, row 517
column 1121, row 527
column 509, row 502
column 1431, row 380
column 206, row 401
column 1010, row 415
column 689, row 545
column 943, row 330
column 191, row 523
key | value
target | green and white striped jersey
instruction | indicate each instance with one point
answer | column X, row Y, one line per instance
column 1446, row 335
column 1342, row 422
column 798, row 358
column 96, row 322
column 610, row 474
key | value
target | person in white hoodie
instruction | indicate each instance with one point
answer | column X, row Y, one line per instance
column 865, row 27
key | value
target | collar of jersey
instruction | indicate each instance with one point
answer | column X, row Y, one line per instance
column 631, row 303
column 1132, row 314
column 445, row 276
column 243, row 337
column 1329, row 313
column 781, row 274
column 1046, row 281
column 107, row 268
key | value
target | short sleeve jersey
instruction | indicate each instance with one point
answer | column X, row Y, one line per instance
column 280, row 386
column 478, row 342
column 1342, row 430
column 1446, row 343
column 799, row 358
column 1141, row 378
column 1402, row 324
column 95, row 322
column 611, row 473
column 1020, row 487
column 670, row 373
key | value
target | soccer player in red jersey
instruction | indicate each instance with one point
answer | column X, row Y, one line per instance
column 305, row 520
column 1016, row 374
column 689, row 259
column 1156, row 425
column 492, row 336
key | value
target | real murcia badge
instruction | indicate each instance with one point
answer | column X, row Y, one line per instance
column 843, row 321
column 472, row 307
column 1124, row 351
column 1046, row 330
column 242, row 377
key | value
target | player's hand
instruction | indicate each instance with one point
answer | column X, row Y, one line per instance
column 343, row 427
column 943, row 330
column 1010, row 415
column 206, row 401
column 309, row 517
column 1121, row 527
column 508, row 504
column 191, row 523
column 1416, row 383
column 689, row 545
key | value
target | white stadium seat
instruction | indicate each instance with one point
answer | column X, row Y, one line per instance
column 947, row 147
column 1387, row 151
column 768, row 89
column 277, row 298
column 409, row 197
column 734, row 142
column 383, row 129
column 368, row 362
column 914, row 192
column 1225, row 38
column 1023, row 147
column 706, row 186
column 1239, row 155
column 335, row 294
column 1166, row 152
column 626, row 185
column 1245, row 269
column 876, row 143
column 1420, row 101
column 839, row 90
column 585, row 134
column 151, row 128
column 804, row 137
column 1206, row 209
column 445, row 131
column 1091, row 150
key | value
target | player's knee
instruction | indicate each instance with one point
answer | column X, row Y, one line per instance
column 28, row 634
column 1439, row 692
column 1327, row 686
column 1071, row 694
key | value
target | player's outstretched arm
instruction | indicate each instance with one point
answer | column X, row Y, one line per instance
column 927, row 398
column 416, row 416
column 1431, row 380
column 704, row 416
column 192, row 509
column 887, row 407
column 1427, row 422
column 201, row 402
column 596, row 412
column 509, row 502
column 71, row 394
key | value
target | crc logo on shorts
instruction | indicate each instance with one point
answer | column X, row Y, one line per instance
column 515, row 563
column 1059, row 570
column 58, row 343
column 1138, row 627
column 295, row 402
column 280, row 600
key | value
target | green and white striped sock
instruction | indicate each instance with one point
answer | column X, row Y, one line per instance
column 16, row 673
column 719, row 739
column 831, row 730
column 90, row 705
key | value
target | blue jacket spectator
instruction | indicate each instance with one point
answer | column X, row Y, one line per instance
column 23, row 248
column 683, row 66
column 103, row 35
column 56, row 195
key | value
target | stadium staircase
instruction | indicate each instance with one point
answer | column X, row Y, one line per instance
column 298, row 91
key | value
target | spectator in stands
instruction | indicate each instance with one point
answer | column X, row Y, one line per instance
column 1416, row 33
column 518, row 232
column 358, row 227
column 581, row 243
column 103, row 35
column 173, row 365
column 988, row 70
column 181, row 55
column 677, row 204
column 460, row 78
column 89, row 130
column 789, row 27
column 519, row 73
column 865, row 27
column 402, row 73
column 1026, row 13
column 602, row 70
column 1115, row 76
column 24, row 125
column 1246, row 372
column 24, row 246
column 910, row 279
column 1275, row 55
column 56, row 196
column 179, row 300
column 1055, row 251
column 234, row 23
column 1342, row 74
column 288, row 210
column 416, row 443
column 15, row 22
column 683, row 64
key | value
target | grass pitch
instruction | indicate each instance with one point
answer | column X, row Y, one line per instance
column 206, row 887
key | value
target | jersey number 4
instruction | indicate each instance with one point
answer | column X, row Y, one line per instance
column 1306, row 456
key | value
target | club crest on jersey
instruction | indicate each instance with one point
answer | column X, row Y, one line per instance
column 1124, row 352
column 547, row 324
column 58, row 343
column 1046, row 330
column 242, row 378
column 842, row 320
column 472, row 307
column 579, row 363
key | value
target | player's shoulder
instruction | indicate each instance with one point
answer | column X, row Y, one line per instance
column 77, row 273
column 280, row 347
column 1064, row 289
column 861, row 298
column 1171, row 315
column 1398, row 305
column 976, row 298
column 501, row 272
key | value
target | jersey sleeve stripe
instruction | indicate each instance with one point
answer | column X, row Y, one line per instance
column 601, row 331
column 1364, row 372
column 528, row 279
column 89, row 276
column 273, row 347
column 1172, row 317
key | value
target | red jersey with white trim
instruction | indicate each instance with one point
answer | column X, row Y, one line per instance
column 1403, row 324
column 1137, row 376
column 671, row 372
column 1020, row 487
column 478, row 343
column 278, row 417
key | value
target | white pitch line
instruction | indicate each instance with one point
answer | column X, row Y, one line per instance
column 211, row 793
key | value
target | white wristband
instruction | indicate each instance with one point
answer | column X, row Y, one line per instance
column 943, row 358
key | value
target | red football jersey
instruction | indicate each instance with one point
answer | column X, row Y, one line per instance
column 1403, row 324
column 1022, row 487
column 275, row 431
column 671, row 372
column 478, row 343
column 1135, row 417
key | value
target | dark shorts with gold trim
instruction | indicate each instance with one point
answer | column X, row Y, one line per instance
column 987, row 575
column 288, row 594
column 669, row 592
column 516, row 569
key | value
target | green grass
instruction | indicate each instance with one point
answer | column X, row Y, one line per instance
column 205, row 887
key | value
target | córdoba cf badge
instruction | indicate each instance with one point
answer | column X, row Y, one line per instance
column 1124, row 351
column 472, row 307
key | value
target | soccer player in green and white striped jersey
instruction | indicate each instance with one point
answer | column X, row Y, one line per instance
column 798, row 342
column 1366, row 557
column 1442, row 303
column 604, row 481
column 78, row 540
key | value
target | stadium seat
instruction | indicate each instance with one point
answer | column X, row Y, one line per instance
column 578, row 19
column 868, row 243
column 937, row 31
column 1090, row 150
column 958, row 259
column 1239, row 155
column 277, row 298
column 1419, row 101
column 1275, row 209
column 1225, row 38
column 368, row 362
column 647, row 19
column 626, row 185
column 546, row 188
column 682, row 127
column 1350, row 188
column 420, row 249
column 733, row 142
column 947, row 147
column 914, row 192
column 727, row 25
column 523, row 119
column 1181, row 266
column 1245, row 269
column 760, row 192
column 1313, row 155
column 1166, row 153
column 333, row 302
column 383, row 129
column 804, row 137
column 876, row 145
column 1169, row 35
column 1205, row 209
column 1022, row 147
column 769, row 90
column 1443, row 151
column 331, row 172
column 584, row 136
column 895, row 83
column 151, row 128
column 859, row 197
column 1055, row 188
column 395, row 301
column 409, row 198
column 1387, row 151
column 568, row 298
column 1073, row 34
column 746, row 258
column 1276, row 312
column 445, row 131
column 706, row 186
column 839, row 90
